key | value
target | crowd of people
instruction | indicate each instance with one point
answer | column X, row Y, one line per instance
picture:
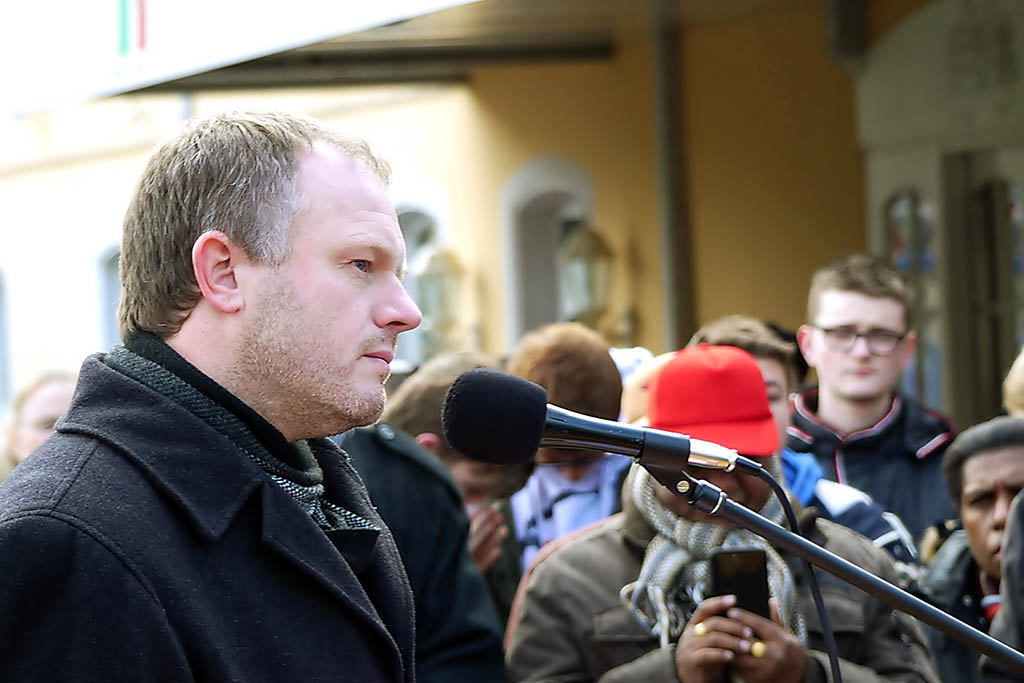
column 232, row 494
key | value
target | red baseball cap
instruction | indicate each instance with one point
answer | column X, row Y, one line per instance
column 714, row 393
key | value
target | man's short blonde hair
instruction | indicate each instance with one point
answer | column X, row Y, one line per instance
column 861, row 273
column 236, row 173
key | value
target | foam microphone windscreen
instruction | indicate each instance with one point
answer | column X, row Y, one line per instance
column 494, row 417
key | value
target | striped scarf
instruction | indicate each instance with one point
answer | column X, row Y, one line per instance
column 305, row 486
column 675, row 575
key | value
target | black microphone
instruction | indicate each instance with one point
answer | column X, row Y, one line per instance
column 498, row 418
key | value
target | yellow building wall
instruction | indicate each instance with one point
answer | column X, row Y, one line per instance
column 598, row 116
column 776, row 180
column 776, row 175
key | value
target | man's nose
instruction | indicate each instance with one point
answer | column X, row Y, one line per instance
column 860, row 346
column 1001, row 511
column 399, row 311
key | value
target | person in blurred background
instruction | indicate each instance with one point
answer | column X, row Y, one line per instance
column 1008, row 623
column 833, row 501
column 636, row 387
column 34, row 412
column 1013, row 387
column 424, row 490
column 860, row 428
column 569, row 489
column 984, row 470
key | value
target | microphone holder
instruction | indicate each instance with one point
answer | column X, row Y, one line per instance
column 680, row 483
column 712, row 500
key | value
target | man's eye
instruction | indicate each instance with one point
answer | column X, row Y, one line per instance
column 884, row 337
column 983, row 500
column 362, row 264
column 843, row 333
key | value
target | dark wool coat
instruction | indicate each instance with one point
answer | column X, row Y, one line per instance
column 138, row 544
column 458, row 637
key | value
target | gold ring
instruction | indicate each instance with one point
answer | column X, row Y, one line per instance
column 757, row 648
column 700, row 629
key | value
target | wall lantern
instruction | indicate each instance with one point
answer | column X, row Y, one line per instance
column 584, row 274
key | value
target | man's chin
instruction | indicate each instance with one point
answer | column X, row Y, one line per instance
column 861, row 393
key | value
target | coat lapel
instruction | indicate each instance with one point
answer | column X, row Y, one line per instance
column 291, row 533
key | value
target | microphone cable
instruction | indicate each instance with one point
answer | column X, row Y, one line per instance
column 751, row 468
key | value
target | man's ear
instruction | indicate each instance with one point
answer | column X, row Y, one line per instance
column 909, row 348
column 215, row 260
column 430, row 441
column 803, row 340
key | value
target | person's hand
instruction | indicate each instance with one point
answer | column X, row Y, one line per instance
column 771, row 653
column 487, row 530
column 709, row 641
column 757, row 649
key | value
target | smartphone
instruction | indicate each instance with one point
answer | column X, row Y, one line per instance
column 742, row 572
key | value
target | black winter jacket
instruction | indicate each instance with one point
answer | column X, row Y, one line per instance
column 951, row 584
column 139, row 544
column 897, row 461
column 458, row 637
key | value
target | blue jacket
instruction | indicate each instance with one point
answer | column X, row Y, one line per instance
column 846, row 506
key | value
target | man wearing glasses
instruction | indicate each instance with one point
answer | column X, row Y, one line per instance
column 862, row 431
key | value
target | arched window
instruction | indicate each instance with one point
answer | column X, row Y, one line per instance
column 421, row 235
column 540, row 204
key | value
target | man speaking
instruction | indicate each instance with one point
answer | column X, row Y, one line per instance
column 187, row 522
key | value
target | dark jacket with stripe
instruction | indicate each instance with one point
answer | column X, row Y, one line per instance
column 951, row 583
column 138, row 544
column 897, row 461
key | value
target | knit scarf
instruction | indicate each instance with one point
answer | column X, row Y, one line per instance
column 675, row 573
column 305, row 486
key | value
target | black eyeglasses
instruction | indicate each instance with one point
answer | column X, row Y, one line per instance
column 880, row 342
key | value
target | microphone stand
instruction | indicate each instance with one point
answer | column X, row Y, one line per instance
column 712, row 500
column 678, row 482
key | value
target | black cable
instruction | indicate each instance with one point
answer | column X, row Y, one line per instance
column 819, row 601
column 685, row 486
column 708, row 498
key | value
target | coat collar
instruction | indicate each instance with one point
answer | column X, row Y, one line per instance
column 195, row 466
column 920, row 432
column 204, row 475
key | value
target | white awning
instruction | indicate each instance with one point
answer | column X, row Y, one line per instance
column 68, row 50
